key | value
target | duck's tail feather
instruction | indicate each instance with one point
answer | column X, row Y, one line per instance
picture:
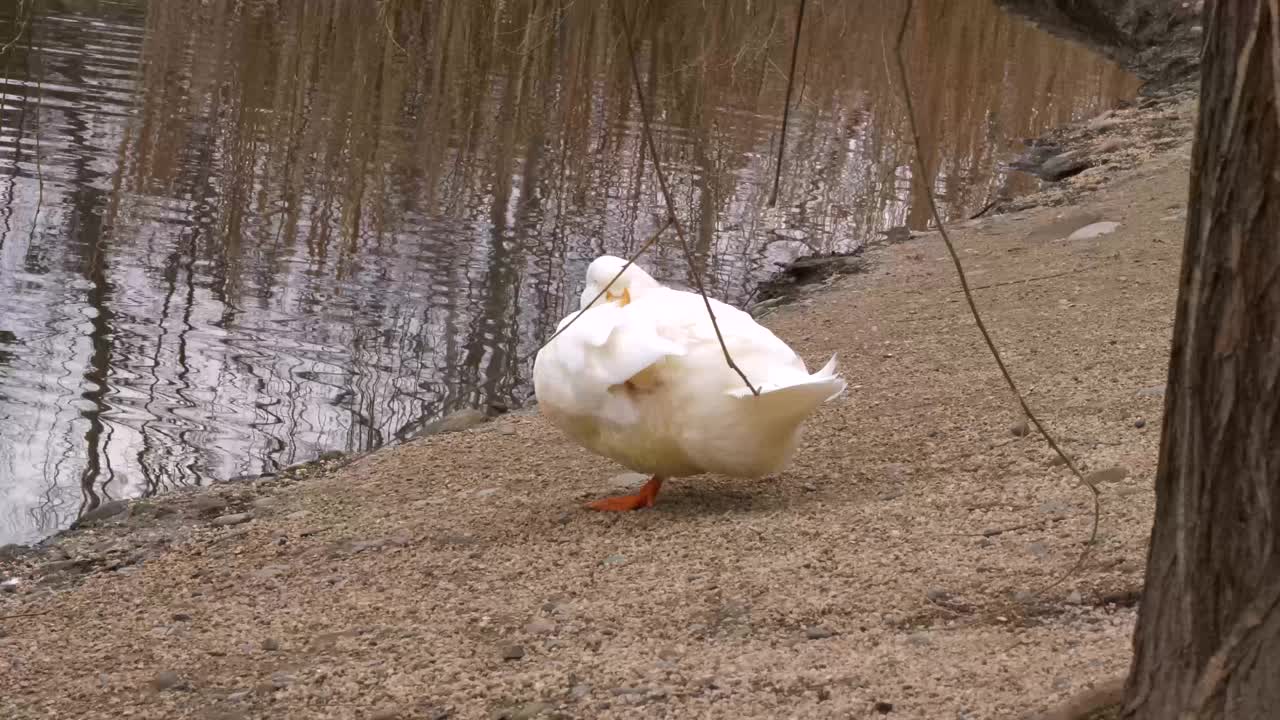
column 796, row 398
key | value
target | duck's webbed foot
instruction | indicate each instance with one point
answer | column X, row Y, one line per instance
column 647, row 495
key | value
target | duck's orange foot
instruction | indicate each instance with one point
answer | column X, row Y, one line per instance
column 622, row 503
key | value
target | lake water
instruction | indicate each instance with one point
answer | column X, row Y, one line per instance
column 236, row 234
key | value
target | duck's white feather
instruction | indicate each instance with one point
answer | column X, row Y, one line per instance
column 647, row 384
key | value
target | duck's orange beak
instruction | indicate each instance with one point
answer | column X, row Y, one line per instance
column 623, row 297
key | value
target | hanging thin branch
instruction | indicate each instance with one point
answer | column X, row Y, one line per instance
column 666, row 195
column 786, row 107
column 918, row 157
column 23, row 15
column 35, row 218
column 644, row 247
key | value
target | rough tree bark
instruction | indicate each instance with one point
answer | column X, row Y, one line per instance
column 1207, row 643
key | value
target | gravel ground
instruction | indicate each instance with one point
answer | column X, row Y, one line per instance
column 892, row 571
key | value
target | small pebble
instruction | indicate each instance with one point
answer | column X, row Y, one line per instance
column 540, row 627
column 616, row 560
column 884, row 708
column 1055, row 507
column 264, row 502
column 630, row 691
column 1106, row 475
column 181, row 617
column 528, row 711
column 1140, row 423
column 166, row 680
column 1075, row 598
column 818, row 632
column 1020, row 429
column 513, row 652
column 1056, row 460
column 208, row 505
column 1098, row 229
column 229, row 520
column 270, row 645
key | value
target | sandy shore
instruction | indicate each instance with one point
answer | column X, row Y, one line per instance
column 891, row 571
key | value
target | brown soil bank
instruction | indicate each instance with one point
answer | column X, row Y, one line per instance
column 891, row 572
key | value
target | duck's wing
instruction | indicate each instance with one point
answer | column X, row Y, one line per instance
column 605, row 346
column 609, row 345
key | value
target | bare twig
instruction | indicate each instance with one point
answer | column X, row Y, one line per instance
column 992, row 532
column 644, row 247
column 24, row 20
column 35, row 218
column 786, row 106
column 4, row 83
column 24, row 615
column 985, row 209
column 385, row 16
column 666, row 195
column 1036, row 278
column 973, row 307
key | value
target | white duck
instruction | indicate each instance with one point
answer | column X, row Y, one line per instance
column 641, row 378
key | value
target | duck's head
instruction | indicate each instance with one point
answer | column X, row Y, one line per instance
column 605, row 268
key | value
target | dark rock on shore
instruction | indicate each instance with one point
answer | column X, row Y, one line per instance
column 456, row 421
column 105, row 511
column 1051, row 162
column 804, row 271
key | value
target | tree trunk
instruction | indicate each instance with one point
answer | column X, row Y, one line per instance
column 1207, row 643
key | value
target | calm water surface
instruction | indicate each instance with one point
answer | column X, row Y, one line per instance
column 235, row 234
